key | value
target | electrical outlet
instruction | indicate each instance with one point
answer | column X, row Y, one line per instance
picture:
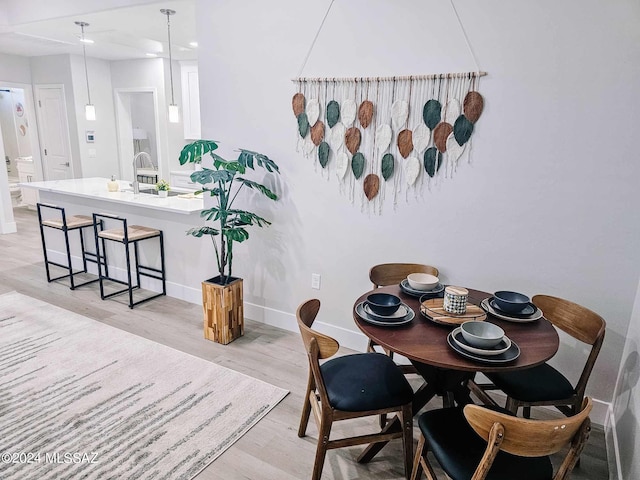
column 315, row 281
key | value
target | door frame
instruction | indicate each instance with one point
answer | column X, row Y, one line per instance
column 37, row 88
column 125, row 132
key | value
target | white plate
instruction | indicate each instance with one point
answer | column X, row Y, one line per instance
column 399, row 314
column 383, row 323
column 502, row 347
column 504, row 316
column 406, row 288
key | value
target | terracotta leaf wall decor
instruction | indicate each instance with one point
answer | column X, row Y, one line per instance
column 298, row 104
column 405, row 143
column 371, row 185
column 365, row 113
column 352, row 140
column 473, row 106
column 317, row 133
column 358, row 127
column 440, row 135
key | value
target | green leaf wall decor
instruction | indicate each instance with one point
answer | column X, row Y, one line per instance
column 323, row 154
column 432, row 161
column 357, row 164
column 303, row 124
column 333, row 113
column 462, row 130
column 431, row 113
column 388, row 165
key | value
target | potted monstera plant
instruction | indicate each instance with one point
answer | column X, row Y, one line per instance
column 222, row 295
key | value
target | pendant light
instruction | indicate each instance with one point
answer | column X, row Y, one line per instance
column 89, row 108
column 174, row 114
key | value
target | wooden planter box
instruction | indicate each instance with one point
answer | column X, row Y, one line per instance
column 223, row 311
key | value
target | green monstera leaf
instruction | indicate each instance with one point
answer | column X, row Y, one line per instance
column 193, row 152
column 432, row 161
column 323, row 154
column 357, row 165
column 388, row 165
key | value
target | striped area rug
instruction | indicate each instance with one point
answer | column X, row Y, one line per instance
column 80, row 399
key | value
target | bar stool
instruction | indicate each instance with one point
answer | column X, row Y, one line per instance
column 66, row 225
column 126, row 235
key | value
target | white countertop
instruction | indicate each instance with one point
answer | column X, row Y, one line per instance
column 97, row 188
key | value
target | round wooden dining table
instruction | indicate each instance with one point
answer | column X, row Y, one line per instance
column 424, row 342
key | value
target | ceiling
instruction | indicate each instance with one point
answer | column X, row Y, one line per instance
column 119, row 34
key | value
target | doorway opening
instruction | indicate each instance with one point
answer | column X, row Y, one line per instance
column 138, row 132
column 21, row 157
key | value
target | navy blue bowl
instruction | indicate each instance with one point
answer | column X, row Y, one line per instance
column 383, row 303
column 510, row 302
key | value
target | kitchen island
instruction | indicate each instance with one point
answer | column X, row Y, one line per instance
column 187, row 259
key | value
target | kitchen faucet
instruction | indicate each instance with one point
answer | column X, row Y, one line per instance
column 135, row 184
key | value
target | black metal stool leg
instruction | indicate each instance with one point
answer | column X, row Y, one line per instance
column 164, row 273
column 137, row 258
column 44, row 246
column 69, row 265
column 128, row 256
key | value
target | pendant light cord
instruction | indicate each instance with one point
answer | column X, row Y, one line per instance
column 84, row 55
column 170, row 57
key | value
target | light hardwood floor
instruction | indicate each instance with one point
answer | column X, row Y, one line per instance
column 271, row 449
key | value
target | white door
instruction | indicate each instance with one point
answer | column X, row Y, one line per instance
column 54, row 132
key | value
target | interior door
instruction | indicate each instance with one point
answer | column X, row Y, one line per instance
column 54, row 132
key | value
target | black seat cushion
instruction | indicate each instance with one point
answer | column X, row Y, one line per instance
column 459, row 449
column 365, row 381
column 534, row 384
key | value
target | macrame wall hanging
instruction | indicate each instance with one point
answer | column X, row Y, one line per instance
column 386, row 135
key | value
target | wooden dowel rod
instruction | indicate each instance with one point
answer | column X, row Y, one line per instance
column 389, row 79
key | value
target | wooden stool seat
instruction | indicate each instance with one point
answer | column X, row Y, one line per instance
column 134, row 233
column 76, row 221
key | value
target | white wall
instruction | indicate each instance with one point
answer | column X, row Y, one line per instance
column 626, row 407
column 98, row 159
column 14, row 68
column 549, row 203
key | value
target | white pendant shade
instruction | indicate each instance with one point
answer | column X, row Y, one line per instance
column 174, row 114
column 90, row 112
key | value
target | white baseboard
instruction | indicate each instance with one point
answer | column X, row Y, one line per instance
column 8, row 227
column 613, row 450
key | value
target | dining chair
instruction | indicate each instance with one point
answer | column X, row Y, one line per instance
column 479, row 443
column 543, row 384
column 350, row 386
